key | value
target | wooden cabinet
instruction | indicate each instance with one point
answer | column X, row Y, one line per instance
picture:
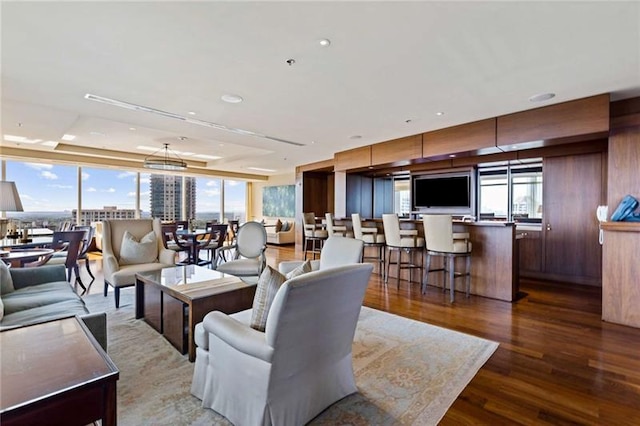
column 353, row 159
column 574, row 121
column 530, row 248
column 398, row 151
column 477, row 138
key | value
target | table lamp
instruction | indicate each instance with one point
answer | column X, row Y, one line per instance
column 9, row 202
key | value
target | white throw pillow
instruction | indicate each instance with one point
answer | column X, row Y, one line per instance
column 6, row 282
column 268, row 284
column 134, row 252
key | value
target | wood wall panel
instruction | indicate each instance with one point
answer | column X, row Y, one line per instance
column 357, row 158
column 541, row 126
column 399, row 151
column 468, row 139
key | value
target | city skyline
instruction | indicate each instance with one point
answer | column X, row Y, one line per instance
column 52, row 188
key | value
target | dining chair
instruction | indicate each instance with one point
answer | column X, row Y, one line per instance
column 214, row 243
column 336, row 230
column 401, row 241
column 68, row 245
column 86, row 245
column 443, row 242
column 171, row 241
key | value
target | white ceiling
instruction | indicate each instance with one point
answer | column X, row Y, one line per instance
column 388, row 62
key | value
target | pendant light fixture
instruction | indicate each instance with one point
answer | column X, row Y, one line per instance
column 166, row 162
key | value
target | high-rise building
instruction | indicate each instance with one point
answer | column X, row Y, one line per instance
column 88, row 216
column 166, row 197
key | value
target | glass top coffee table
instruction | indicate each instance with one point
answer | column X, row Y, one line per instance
column 173, row 300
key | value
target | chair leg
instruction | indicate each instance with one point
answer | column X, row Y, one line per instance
column 76, row 269
column 427, row 267
column 452, row 283
column 116, row 291
column 386, row 275
column 399, row 268
column 468, row 278
column 106, row 288
column 86, row 264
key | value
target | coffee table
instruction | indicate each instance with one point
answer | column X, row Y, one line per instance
column 173, row 300
column 55, row 373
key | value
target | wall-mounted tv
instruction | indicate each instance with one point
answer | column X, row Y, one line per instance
column 442, row 191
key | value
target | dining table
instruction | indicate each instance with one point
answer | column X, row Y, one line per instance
column 192, row 238
column 18, row 257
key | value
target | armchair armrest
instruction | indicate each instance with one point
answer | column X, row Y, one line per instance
column 167, row 256
column 25, row 277
column 109, row 264
column 238, row 335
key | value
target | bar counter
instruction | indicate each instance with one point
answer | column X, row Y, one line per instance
column 494, row 256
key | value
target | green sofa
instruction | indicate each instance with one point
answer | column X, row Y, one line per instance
column 34, row 295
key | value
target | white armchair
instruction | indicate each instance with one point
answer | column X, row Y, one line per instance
column 337, row 251
column 117, row 272
column 299, row 366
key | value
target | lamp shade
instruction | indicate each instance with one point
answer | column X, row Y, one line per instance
column 166, row 162
column 9, row 197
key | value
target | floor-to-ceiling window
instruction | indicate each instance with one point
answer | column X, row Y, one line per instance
column 235, row 194
column 208, row 200
column 107, row 194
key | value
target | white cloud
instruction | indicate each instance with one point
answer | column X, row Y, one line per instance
column 48, row 175
column 110, row 190
column 85, row 176
column 26, row 197
column 91, row 189
column 126, row 174
column 39, row 166
column 58, row 186
column 142, row 194
column 212, row 192
column 213, row 183
column 145, row 180
column 232, row 182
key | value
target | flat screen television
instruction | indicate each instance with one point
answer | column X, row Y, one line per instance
column 442, row 191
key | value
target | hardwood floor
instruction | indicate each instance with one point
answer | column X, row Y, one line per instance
column 558, row 363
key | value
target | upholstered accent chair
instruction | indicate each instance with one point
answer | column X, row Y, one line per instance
column 337, row 251
column 302, row 362
column 442, row 241
column 251, row 243
column 120, row 271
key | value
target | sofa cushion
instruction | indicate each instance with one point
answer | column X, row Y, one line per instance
column 126, row 275
column 134, row 252
column 39, row 295
column 285, row 226
column 268, row 284
column 45, row 313
column 301, row 269
column 6, row 282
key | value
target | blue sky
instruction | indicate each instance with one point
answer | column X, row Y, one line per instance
column 47, row 187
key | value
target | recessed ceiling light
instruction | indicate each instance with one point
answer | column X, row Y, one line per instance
column 355, row 137
column 325, row 42
column 67, row 137
column 452, row 156
column 207, row 157
column 191, row 113
column 439, row 113
column 231, row 99
column 97, row 134
column 542, row 97
column 260, row 169
column 132, row 128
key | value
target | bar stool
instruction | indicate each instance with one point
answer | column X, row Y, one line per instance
column 401, row 240
column 336, row 230
column 314, row 234
column 442, row 241
column 371, row 238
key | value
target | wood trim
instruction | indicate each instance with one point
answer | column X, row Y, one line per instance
column 625, row 107
column 356, row 158
column 398, row 151
column 568, row 119
column 588, row 147
column 318, row 166
column 630, row 120
column 85, row 160
column 475, row 138
column 621, row 226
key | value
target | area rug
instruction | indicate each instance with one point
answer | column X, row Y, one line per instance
column 407, row 372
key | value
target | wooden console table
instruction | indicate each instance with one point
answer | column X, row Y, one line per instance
column 55, row 373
